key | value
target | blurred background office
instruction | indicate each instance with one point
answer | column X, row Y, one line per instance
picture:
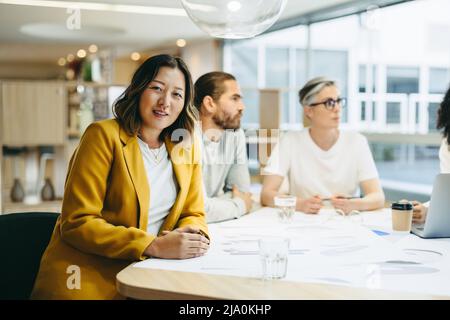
column 61, row 69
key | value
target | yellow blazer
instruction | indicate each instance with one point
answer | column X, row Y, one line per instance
column 103, row 224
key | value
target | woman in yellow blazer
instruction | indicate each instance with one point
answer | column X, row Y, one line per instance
column 107, row 196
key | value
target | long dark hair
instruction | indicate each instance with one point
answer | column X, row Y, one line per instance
column 126, row 108
column 443, row 120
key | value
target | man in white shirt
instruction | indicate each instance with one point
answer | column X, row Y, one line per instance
column 224, row 157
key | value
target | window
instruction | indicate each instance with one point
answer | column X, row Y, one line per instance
column 277, row 76
column 374, row 111
column 277, row 68
column 432, row 116
column 439, row 80
column 362, row 78
column 332, row 64
column 245, row 65
column 285, row 112
column 300, row 65
column 401, row 162
column 417, row 118
column 393, row 113
column 250, row 118
column 363, row 111
column 407, row 79
column 245, row 69
column 402, row 80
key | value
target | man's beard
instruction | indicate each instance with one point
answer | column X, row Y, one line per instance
column 227, row 122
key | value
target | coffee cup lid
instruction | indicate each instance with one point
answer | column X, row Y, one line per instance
column 402, row 206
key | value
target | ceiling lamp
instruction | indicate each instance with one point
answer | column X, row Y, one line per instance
column 135, row 56
column 93, row 48
column 181, row 43
column 234, row 19
column 81, row 53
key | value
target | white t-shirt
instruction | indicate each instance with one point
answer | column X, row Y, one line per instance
column 312, row 171
column 163, row 185
column 444, row 157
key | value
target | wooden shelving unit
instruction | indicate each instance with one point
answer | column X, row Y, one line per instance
column 36, row 114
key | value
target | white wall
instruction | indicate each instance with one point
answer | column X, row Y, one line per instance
column 202, row 57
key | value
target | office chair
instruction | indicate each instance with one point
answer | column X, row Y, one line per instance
column 23, row 239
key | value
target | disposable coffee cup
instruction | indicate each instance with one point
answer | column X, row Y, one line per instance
column 402, row 213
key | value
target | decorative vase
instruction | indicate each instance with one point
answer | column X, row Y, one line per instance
column 48, row 192
column 17, row 192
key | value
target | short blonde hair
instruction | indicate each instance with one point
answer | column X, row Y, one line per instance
column 312, row 87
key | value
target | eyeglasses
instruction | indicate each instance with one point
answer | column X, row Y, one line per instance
column 330, row 104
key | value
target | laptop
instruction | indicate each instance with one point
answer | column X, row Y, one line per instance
column 437, row 223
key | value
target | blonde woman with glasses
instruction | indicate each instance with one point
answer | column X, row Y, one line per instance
column 322, row 162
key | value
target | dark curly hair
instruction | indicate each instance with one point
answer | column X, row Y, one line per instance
column 443, row 120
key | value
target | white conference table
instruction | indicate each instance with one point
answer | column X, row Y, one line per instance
column 333, row 257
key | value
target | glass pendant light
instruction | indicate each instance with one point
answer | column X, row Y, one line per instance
column 234, row 19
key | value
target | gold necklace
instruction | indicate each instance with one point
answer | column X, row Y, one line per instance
column 156, row 154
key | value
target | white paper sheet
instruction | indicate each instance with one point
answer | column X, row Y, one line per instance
column 326, row 248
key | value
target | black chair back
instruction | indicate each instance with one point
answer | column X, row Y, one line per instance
column 23, row 239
